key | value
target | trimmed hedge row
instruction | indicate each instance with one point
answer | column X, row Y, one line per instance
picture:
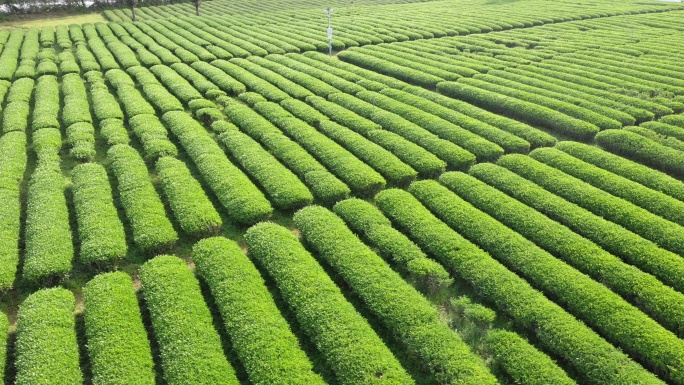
column 455, row 156
column 615, row 239
column 665, row 129
column 399, row 71
column 365, row 219
column 16, row 113
column 523, row 362
column 47, row 348
column 653, row 201
column 10, row 54
column 542, row 79
column 322, row 183
column 153, row 136
column 76, row 107
column 661, row 302
column 383, row 161
column 85, row 58
column 244, row 202
column 176, row 83
column 118, row 347
column 504, row 87
column 507, row 141
column 161, row 98
column 217, row 75
column 602, row 117
column 668, row 141
column 62, row 36
column 594, row 358
column 13, row 159
column 151, row 229
column 114, row 132
column 301, row 110
column 250, row 81
column 483, row 149
column 327, row 77
column 360, row 177
column 47, row 104
column 104, row 103
column 592, row 302
column 259, row 334
column 351, row 348
column 288, row 86
column 642, row 149
column 401, row 308
column 101, row 233
column 49, row 249
column 641, row 174
column 413, row 155
column 283, row 187
column 190, row 348
column 81, row 138
column 520, row 109
column 192, row 209
column 302, row 79
column 552, row 88
column 663, row 232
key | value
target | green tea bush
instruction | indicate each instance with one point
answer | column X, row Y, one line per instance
column 193, row 211
column 244, row 202
column 190, row 348
column 343, row 337
column 555, row 329
column 283, row 187
column 666, row 234
column 523, row 362
column 43, row 360
column 260, row 336
column 118, row 347
column 100, row 232
column 151, row 229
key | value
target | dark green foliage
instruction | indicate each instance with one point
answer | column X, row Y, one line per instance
column 46, row 106
column 520, row 109
column 523, row 362
column 13, row 158
column 283, row 187
column 383, row 161
column 117, row 341
column 244, row 202
column 76, row 107
column 661, row 302
column 151, row 229
column 396, row 304
column 218, row 75
column 49, row 250
column 345, row 339
column 555, row 329
column 666, row 234
column 365, row 219
column 191, row 351
column 100, row 232
column 653, row 201
column 189, row 203
column 642, row 149
column 81, row 138
column 480, row 147
column 153, row 136
column 455, row 156
column 644, row 175
column 506, row 140
column 259, row 334
column 46, row 348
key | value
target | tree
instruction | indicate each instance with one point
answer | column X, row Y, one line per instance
column 197, row 6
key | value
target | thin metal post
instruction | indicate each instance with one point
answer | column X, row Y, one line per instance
column 329, row 11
